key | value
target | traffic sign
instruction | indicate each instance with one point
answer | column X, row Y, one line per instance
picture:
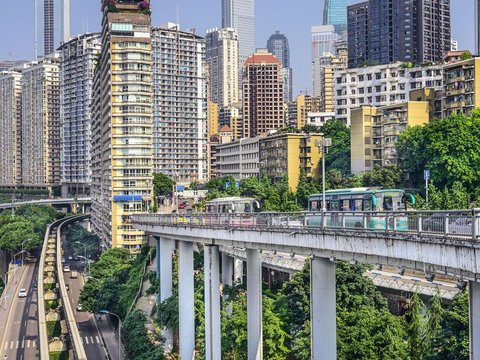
column 426, row 174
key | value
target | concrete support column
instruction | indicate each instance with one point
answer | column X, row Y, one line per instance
column 238, row 271
column 474, row 308
column 212, row 304
column 227, row 277
column 165, row 248
column 186, row 301
column 254, row 305
column 323, row 309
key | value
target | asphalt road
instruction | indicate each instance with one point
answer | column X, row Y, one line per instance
column 87, row 325
column 19, row 329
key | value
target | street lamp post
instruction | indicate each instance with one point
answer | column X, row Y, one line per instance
column 87, row 263
column 119, row 331
column 323, row 144
column 23, row 242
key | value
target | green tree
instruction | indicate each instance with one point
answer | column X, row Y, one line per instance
column 138, row 343
column 162, row 185
column 305, row 188
column 466, row 55
column 387, row 177
column 338, row 156
column 416, row 328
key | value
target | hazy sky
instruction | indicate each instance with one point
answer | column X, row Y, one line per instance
column 292, row 17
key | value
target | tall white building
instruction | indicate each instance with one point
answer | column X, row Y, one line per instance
column 78, row 59
column 11, row 128
column 240, row 15
column 52, row 25
column 324, row 39
column 179, row 104
column 41, row 124
column 222, row 60
column 381, row 85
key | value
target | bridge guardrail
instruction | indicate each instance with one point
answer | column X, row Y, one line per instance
column 457, row 223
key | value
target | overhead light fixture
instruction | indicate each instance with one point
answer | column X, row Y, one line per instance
column 332, row 259
column 401, row 270
column 430, row 277
column 461, row 284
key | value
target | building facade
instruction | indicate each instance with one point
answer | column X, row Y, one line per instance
column 385, row 31
column 462, row 87
column 11, row 125
column 52, row 25
column 277, row 45
column 180, row 104
column 78, row 60
column 335, row 13
column 381, row 85
column 240, row 15
column 476, row 20
column 306, row 104
column 41, row 124
column 262, row 94
column 122, row 124
column 288, row 154
column 239, row 159
column 375, row 130
column 222, row 60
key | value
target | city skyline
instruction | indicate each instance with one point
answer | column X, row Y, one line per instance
column 293, row 21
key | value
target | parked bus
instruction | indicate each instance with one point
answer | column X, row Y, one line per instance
column 360, row 200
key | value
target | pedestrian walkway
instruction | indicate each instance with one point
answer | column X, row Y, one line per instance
column 91, row 340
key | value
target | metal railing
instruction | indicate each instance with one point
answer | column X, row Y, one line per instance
column 456, row 224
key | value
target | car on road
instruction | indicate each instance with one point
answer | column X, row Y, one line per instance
column 63, row 260
column 73, row 275
column 66, row 268
column 76, row 258
column 70, row 257
column 79, row 307
column 22, row 293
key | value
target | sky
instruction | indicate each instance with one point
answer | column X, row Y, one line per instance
column 294, row 18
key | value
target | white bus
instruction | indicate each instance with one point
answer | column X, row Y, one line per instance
column 232, row 205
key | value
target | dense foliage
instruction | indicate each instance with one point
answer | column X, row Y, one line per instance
column 78, row 234
column 162, row 185
column 140, row 344
column 27, row 225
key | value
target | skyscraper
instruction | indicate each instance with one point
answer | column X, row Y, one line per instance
column 262, row 94
column 385, row 31
column 335, row 13
column 324, row 39
column 180, row 104
column 277, row 44
column 222, row 60
column 52, row 25
column 240, row 15
column 122, row 123
column 78, row 59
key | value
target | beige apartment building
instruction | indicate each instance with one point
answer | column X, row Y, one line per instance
column 374, row 131
column 11, row 128
column 41, row 124
column 122, row 124
column 307, row 104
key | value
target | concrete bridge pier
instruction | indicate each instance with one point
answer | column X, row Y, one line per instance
column 212, row 304
column 254, row 305
column 227, row 276
column 186, row 301
column 238, row 271
column 474, row 307
column 323, row 309
column 165, row 248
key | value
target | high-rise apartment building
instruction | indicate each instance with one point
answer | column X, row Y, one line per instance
column 324, row 69
column 41, row 124
column 306, row 104
column 277, row 44
column 78, row 61
column 262, row 94
column 222, row 60
column 52, row 25
column 324, row 39
column 381, row 85
column 335, row 13
column 240, row 15
column 122, row 123
column 180, row 104
column 11, row 128
column 385, row 31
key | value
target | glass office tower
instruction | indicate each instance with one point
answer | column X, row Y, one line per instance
column 335, row 13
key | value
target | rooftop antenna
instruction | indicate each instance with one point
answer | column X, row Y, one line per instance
column 178, row 15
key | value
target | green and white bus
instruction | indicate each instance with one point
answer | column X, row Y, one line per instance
column 374, row 202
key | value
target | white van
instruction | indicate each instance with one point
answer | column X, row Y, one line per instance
column 73, row 275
